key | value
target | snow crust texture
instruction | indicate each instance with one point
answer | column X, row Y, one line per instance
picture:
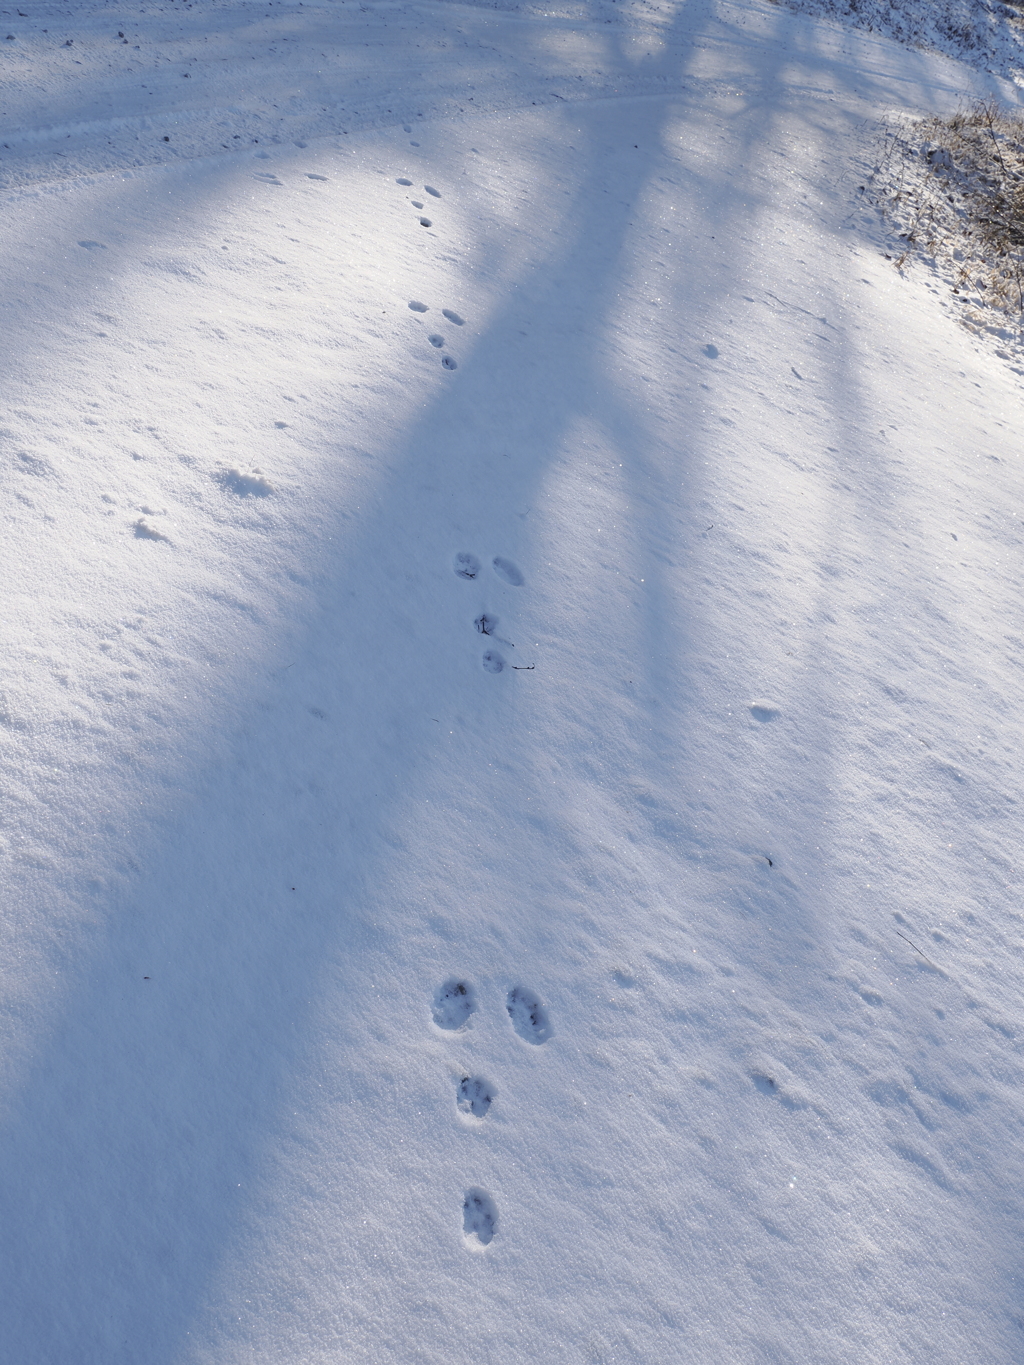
column 984, row 33
column 509, row 699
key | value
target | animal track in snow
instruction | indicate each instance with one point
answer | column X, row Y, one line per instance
column 466, row 565
column 453, row 317
column 493, row 661
column 418, row 307
column 430, row 190
column 93, row 246
column 529, row 1017
column 436, row 340
column 311, row 176
column 479, row 1218
column 454, row 1002
column 402, row 181
column 416, row 204
column 486, row 625
column 448, row 363
column 506, row 570
column 475, row 1096
column 764, row 711
column 425, row 222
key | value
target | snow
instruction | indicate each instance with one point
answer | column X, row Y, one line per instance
column 651, row 996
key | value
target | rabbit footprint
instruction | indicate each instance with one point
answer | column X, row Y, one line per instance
column 454, row 1002
column 529, row 1017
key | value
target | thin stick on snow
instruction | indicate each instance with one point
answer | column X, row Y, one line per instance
column 918, row 951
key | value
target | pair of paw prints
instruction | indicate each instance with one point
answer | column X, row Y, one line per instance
column 467, row 566
column 454, row 1003
column 435, row 338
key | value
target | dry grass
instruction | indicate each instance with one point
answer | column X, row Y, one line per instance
column 953, row 190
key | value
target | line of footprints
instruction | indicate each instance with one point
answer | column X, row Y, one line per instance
column 454, row 1002
column 467, row 566
column 435, row 338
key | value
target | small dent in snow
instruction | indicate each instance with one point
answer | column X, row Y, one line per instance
column 479, row 1219
column 402, row 181
column 711, row 352
column 436, row 340
column 764, row 711
column 34, row 464
column 311, row 176
column 448, row 362
column 144, row 531
column 418, row 307
column 486, row 625
column 454, row 1002
column 492, row 661
column 430, row 190
column 93, row 246
column 529, row 1017
column 475, row 1096
column 426, row 222
column 466, row 565
column 453, row 317
column 417, row 204
column 250, row 483
column 506, row 570
column 767, row 1084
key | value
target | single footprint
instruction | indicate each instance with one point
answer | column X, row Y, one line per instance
column 492, row 661
column 475, row 1096
column 479, row 1218
column 436, row 340
column 311, row 176
column 466, row 565
column 764, row 711
column 401, row 179
column 529, row 1017
column 505, row 569
column 452, row 317
column 448, row 363
column 430, row 190
column 486, row 625
column 416, row 204
column 418, row 307
column 454, row 1002
column 425, row 222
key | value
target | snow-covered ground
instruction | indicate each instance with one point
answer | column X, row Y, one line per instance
column 362, row 999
